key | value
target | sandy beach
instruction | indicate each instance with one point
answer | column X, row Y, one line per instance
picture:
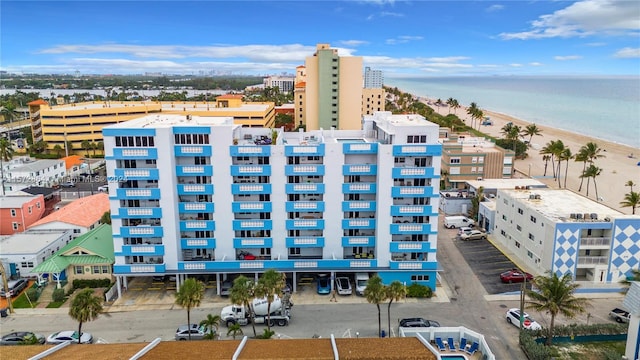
column 617, row 165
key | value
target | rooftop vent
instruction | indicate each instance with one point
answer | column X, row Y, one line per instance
column 579, row 216
column 594, row 216
column 572, row 216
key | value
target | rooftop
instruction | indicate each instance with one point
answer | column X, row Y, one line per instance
column 34, row 166
column 505, row 183
column 15, row 201
column 558, row 205
column 166, row 106
column 30, row 241
column 170, row 120
column 83, row 212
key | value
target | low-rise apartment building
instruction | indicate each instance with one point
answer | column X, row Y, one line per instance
column 18, row 212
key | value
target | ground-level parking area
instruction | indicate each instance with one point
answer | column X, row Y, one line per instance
column 487, row 263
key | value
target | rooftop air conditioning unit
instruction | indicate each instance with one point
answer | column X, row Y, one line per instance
column 586, row 216
column 607, row 219
column 538, row 197
column 578, row 216
column 594, row 216
column 532, row 197
column 517, row 187
column 572, row 216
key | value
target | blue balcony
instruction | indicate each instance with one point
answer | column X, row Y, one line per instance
column 414, row 173
column 137, row 194
column 141, row 231
column 358, row 206
column 195, row 189
column 307, row 169
column 304, row 242
column 191, row 130
column 252, row 224
column 413, row 191
column 360, row 148
column 136, row 174
column 250, row 189
column 139, row 269
column 304, row 188
column 138, row 213
column 141, row 250
column 413, row 265
column 194, row 170
column 304, row 150
column 359, row 169
column 358, row 224
column 305, row 224
column 297, row 265
column 133, row 154
column 359, row 188
column 411, row 228
column 411, row 247
column 192, row 150
column 365, row 241
column 197, row 225
column 417, row 150
column 196, row 207
column 251, row 207
column 250, row 150
column 252, row 243
column 250, row 170
column 129, row 132
column 199, row 243
column 305, row 206
column 413, row 210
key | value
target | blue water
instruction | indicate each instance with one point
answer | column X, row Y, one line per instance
column 605, row 108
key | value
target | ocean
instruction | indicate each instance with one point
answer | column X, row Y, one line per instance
column 604, row 108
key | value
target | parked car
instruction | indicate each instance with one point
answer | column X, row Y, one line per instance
column 70, row 335
column 225, row 289
column 418, row 322
column 361, row 283
column 473, row 235
column 619, row 315
column 464, row 230
column 22, row 338
column 15, row 287
column 68, row 184
column 515, row 276
column 343, row 285
column 324, row 285
column 103, row 188
column 197, row 332
column 513, row 317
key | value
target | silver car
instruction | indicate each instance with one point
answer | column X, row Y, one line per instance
column 197, row 332
column 22, row 338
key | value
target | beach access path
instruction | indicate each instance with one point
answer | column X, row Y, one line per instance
column 618, row 167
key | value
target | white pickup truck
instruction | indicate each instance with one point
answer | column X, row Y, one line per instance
column 620, row 315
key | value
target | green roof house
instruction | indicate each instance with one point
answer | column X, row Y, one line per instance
column 89, row 256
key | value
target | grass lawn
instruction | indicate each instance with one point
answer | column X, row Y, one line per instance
column 590, row 351
column 55, row 304
column 21, row 302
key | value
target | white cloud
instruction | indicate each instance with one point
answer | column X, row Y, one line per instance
column 584, row 18
column 403, row 39
column 535, row 63
column 595, row 44
column 494, row 8
column 627, row 53
column 567, row 57
column 515, row 65
column 353, row 42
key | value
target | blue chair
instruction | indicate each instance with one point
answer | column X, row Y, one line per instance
column 473, row 348
column 463, row 344
column 452, row 345
column 440, row 344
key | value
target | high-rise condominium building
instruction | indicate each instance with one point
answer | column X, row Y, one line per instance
column 373, row 79
column 202, row 195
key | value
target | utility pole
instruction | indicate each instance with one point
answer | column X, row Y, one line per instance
column 522, row 292
column 6, row 287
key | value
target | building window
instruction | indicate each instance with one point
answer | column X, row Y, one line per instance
column 78, row 270
column 533, row 219
column 473, row 169
column 13, row 212
column 520, row 211
column 454, row 161
column 15, row 225
column 518, row 227
column 531, row 237
column 105, row 269
column 419, row 277
column 96, row 269
column 504, row 217
column 517, row 244
column 474, row 160
column 30, row 209
column 503, row 233
column 530, row 254
column 294, row 251
column 38, row 205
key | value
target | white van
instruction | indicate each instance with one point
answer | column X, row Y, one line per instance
column 452, row 222
column 361, row 283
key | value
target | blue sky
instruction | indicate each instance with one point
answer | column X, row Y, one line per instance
column 401, row 38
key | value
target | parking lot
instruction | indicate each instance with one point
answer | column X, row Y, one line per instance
column 487, row 262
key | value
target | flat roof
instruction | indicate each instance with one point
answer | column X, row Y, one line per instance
column 30, row 242
column 169, row 106
column 15, row 201
column 504, row 183
column 558, row 205
column 35, row 165
column 170, row 120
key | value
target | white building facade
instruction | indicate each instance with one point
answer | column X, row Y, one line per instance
column 373, row 79
column 35, row 172
column 564, row 232
column 283, row 83
column 203, row 196
column 31, row 248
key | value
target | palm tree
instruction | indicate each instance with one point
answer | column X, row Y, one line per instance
column 630, row 184
column 269, row 285
column 86, row 146
column 68, row 147
column 396, row 291
column 242, row 293
column 8, row 112
column 450, row 104
column 212, row 322
column 234, row 330
column 94, row 147
column 546, row 159
column 531, row 130
column 6, row 154
column 85, row 307
column 455, row 105
column 471, row 110
column 566, row 156
column 590, row 152
column 556, row 295
column 631, row 200
column 58, row 149
column 189, row 296
column 592, row 172
column 375, row 294
column 475, row 203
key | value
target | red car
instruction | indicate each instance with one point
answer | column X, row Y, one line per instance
column 514, row 276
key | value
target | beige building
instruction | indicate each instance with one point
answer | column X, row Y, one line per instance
column 373, row 100
column 78, row 122
column 332, row 92
column 470, row 158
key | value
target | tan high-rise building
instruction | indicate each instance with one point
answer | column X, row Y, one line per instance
column 330, row 93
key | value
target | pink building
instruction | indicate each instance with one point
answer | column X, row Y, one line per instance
column 18, row 212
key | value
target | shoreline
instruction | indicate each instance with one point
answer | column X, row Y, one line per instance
column 617, row 166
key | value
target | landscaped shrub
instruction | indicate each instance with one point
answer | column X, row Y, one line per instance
column 532, row 349
column 419, row 291
column 91, row 283
column 58, row 295
column 33, row 293
column 577, row 329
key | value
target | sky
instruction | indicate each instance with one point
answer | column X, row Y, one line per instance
column 402, row 38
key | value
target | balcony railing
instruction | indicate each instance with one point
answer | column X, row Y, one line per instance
column 595, row 241
column 592, row 260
